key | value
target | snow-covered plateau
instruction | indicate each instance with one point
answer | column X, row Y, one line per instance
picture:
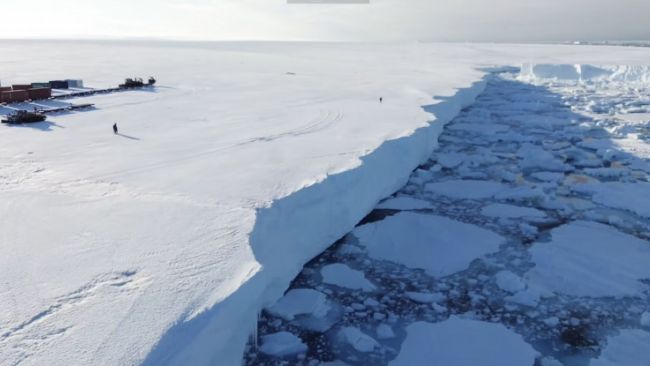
column 161, row 245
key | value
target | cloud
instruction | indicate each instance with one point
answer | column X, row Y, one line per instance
column 381, row 20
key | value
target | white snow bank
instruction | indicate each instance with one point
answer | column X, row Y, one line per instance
column 462, row 342
column 436, row 244
column 590, row 259
column 635, row 74
column 341, row 275
column 629, row 348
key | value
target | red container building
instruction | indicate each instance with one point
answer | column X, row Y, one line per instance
column 21, row 86
column 40, row 93
column 15, row 96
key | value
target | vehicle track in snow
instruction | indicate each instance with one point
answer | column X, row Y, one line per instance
column 47, row 324
column 325, row 119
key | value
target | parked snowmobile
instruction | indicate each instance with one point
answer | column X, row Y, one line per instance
column 137, row 83
column 24, row 117
column 132, row 83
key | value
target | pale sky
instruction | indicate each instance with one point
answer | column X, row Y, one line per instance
column 381, row 20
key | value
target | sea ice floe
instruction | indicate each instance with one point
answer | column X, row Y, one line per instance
column 450, row 160
column 479, row 128
column 550, row 361
column 462, row 342
column 466, row 189
column 590, row 259
column 404, row 203
column 510, row 211
column 633, row 197
column 385, row 331
column 548, row 176
column 607, row 172
column 645, row 319
column 533, row 157
column 282, row 344
column 509, row 282
column 629, row 348
column 425, row 297
column 341, row 275
column 438, row 245
column 359, row 340
column 300, row 301
column 528, row 297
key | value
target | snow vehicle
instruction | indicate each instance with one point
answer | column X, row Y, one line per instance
column 24, row 117
column 137, row 83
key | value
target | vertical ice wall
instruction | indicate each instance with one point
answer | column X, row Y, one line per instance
column 295, row 229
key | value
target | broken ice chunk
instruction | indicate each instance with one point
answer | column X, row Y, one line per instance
column 358, row 339
column 282, row 344
column 341, row 275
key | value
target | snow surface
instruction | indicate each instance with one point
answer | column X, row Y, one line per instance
column 590, row 259
column 436, row 244
column 462, row 342
column 161, row 245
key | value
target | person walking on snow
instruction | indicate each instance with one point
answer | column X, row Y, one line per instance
column 381, row 100
column 115, row 128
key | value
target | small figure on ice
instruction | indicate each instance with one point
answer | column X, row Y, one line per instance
column 115, row 128
column 381, row 100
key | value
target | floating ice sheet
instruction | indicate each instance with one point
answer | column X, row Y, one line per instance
column 461, row 342
column 438, row 245
column 590, row 259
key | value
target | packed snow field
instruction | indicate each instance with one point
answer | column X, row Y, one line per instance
column 160, row 246
column 524, row 240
